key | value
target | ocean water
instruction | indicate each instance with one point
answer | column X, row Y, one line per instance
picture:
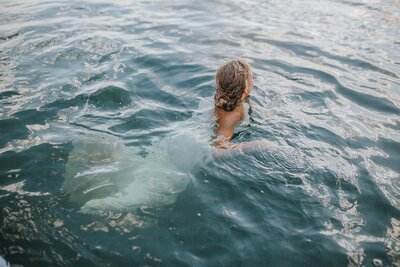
column 106, row 124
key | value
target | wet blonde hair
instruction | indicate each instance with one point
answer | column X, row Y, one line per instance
column 231, row 81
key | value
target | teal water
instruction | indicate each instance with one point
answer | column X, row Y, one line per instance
column 105, row 129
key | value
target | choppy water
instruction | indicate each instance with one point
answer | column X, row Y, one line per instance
column 104, row 133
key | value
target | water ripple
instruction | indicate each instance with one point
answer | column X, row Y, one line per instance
column 316, row 182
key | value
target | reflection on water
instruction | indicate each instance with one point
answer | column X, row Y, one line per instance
column 105, row 130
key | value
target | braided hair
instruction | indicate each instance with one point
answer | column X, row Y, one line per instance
column 231, row 80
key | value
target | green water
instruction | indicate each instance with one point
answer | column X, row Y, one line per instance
column 105, row 126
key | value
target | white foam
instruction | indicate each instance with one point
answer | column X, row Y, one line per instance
column 103, row 174
column 3, row 262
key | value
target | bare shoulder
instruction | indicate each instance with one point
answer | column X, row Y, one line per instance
column 228, row 119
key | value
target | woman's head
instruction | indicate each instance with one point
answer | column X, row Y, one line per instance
column 234, row 81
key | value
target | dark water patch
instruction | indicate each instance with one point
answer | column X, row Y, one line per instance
column 68, row 87
column 12, row 129
column 360, row 142
column 41, row 167
column 353, row 3
column 110, row 97
column 255, row 213
column 350, row 188
column 373, row 203
column 391, row 158
column 324, row 191
column 60, row 104
column 8, row 94
column 151, row 62
column 374, row 256
column 8, row 37
column 34, row 116
column 34, row 237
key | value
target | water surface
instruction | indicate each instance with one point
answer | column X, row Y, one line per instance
column 105, row 132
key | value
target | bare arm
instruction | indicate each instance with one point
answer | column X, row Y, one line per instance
column 225, row 126
column 245, row 147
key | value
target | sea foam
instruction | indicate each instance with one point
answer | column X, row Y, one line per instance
column 104, row 174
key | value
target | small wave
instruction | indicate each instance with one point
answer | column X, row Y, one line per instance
column 309, row 51
column 368, row 101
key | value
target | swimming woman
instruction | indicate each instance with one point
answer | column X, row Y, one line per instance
column 234, row 82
